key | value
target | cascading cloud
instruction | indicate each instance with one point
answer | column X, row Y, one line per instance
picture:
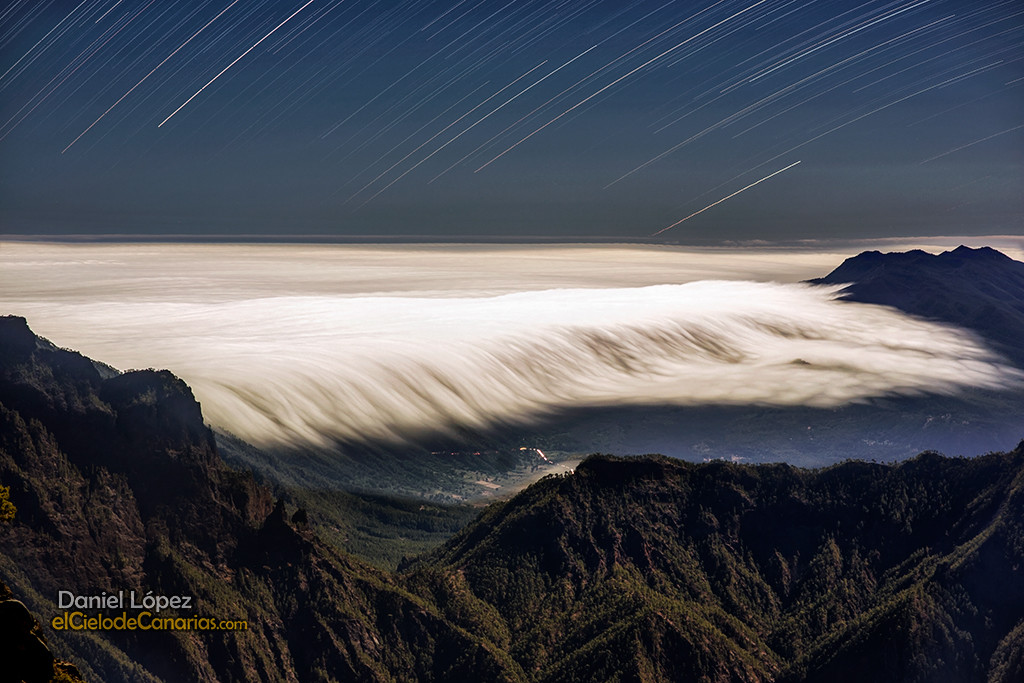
column 313, row 368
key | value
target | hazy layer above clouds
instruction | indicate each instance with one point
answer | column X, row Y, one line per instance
column 304, row 345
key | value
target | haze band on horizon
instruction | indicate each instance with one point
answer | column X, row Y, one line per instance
column 307, row 345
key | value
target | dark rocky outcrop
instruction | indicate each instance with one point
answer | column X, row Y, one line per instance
column 24, row 652
column 980, row 289
column 118, row 486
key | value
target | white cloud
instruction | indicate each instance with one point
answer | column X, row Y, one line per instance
column 300, row 345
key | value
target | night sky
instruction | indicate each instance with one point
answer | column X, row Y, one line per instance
column 511, row 119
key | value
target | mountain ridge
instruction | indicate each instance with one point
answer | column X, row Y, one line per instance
column 980, row 289
column 144, row 502
column 695, row 549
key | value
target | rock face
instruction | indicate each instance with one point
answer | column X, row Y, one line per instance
column 644, row 569
column 118, row 486
column 980, row 289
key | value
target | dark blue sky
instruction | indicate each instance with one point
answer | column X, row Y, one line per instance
column 479, row 118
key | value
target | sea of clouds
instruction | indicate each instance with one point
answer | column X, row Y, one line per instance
column 306, row 345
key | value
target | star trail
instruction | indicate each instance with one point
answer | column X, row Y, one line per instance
column 474, row 118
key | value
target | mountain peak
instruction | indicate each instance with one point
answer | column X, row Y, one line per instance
column 855, row 268
column 981, row 289
column 978, row 254
column 917, row 262
column 15, row 336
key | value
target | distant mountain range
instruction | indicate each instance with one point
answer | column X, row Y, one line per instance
column 979, row 289
column 641, row 569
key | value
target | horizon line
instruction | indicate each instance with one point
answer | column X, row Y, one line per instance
column 260, row 238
